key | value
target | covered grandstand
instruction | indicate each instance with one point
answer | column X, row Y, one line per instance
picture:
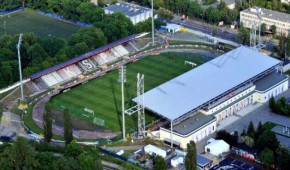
column 87, row 62
column 191, row 100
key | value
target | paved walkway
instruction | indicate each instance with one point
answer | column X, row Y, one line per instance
column 118, row 148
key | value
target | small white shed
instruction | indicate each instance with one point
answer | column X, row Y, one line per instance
column 177, row 160
column 173, row 28
column 150, row 149
column 217, row 147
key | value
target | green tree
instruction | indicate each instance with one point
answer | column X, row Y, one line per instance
column 273, row 29
column 19, row 156
column 87, row 162
column 243, row 35
column 69, row 9
column 260, row 130
column 263, row 29
column 90, row 12
column 248, row 141
column 267, row 157
column 272, row 104
column 73, row 150
column 65, row 163
column 267, row 140
column 190, row 158
column 46, row 160
column 159, row 163
column 283, row 158
column 214, row 31
column 68, row 134
column 212, row 15
column 92, row 36
column 251, row 130
column 47, row 122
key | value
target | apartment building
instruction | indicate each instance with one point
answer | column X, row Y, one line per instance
column 269, row 17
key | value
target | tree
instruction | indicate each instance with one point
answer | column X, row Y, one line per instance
column 19, row 156
column 87, row 162
column 243, row 35
column 92, row 36
column 90, row 12
column 267, row 140
column 69, row 9
column 47, row 122
column 260, row 130
column 263, row 29
column 212, row 15
column 73, row 150
column 227, row 137
column 65, row 163
column 190, row 158
column 272, row 103
column 283, row 158
column 68, row 134
column 273, row 29
column 267, row 157
column 46, row 160
column 159, row 163
column 282, row 41
column 248, row 141
column 214, row 31
column 251, row 130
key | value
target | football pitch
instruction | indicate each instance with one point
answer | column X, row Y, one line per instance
column 30, row 21
column 103, row 95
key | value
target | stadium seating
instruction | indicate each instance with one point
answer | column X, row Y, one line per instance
column 114, row 52
column 121, row 50
column 33, row 86
column 86, row 65
column 69, row 72
column 129, row 48
column 49, row 80
column 40, row 84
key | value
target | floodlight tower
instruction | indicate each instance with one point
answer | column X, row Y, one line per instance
column 140, row 103
column 153, row 43
column 253, row 36
column 20, row 70
column 259, row 14
column 122, row 80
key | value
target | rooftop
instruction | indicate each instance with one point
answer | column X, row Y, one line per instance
column 127, row 8
column 202, row 161
column 267, row 13
column 193, row 123
column 207, row 82
column 269, row 81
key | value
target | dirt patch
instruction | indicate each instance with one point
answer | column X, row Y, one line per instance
column 77, row 123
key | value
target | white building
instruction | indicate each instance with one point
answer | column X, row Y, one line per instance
column 173, row 28
column 217, row 147
column 195, row 101
column 150, row 149
column 269, row 17
column 135, row 13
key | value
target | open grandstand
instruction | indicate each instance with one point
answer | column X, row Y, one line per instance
column 195, row 101
column 88, row 62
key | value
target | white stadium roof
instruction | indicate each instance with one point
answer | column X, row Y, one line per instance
column 190, row 90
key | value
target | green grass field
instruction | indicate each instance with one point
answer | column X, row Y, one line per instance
column 30, row 21
column 103, row 95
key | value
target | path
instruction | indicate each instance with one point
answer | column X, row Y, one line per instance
column 118, row 148
column 112, row 165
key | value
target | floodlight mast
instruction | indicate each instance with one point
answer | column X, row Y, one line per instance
column 122, row 79
column 19, row 63
column 153, row 43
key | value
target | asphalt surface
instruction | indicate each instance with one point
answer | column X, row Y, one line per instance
column 205, row 28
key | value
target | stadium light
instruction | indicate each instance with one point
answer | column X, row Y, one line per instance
column 152, row 24
column 19, row 62
column 122, row 80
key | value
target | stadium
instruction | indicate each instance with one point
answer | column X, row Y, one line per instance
column 192, row 101
column 212, row 92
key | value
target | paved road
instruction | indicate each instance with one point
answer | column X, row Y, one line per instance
column 205, row 28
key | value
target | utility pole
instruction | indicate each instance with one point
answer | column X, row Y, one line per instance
column 122, row 80
column 153, row 43
column 20, row 70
